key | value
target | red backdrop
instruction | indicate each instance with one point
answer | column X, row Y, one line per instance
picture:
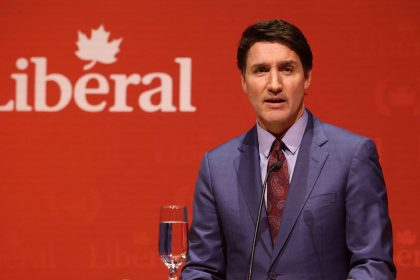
column 81, row 186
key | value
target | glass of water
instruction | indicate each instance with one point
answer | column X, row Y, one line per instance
column 173, row 230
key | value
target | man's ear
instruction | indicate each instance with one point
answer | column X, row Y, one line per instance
column 308, row 79
column 243, row 82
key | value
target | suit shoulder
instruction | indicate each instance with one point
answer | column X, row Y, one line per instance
column 232, row 148
column 338, row 133
column 228, row 147
column 344, row 139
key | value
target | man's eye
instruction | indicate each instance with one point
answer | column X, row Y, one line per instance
column 260, row 69
column 288, row 70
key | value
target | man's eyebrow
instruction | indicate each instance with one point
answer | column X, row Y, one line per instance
column 259, row 64
column 288, row 63
column 281, row 63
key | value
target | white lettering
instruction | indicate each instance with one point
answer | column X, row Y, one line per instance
column 165, row 105
column 21, row 89
column 121, row 84
column 22, row 86
column 185, row 84
column 41, row 80
column 159, row 98
column 8, row 107
column 81, row 90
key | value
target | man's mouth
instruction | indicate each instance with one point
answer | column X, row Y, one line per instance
column 275, row 100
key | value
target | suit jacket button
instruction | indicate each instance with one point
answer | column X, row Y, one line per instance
column 272, row 275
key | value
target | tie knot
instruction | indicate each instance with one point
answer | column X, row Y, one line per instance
column 276, row 146
column 275, row 151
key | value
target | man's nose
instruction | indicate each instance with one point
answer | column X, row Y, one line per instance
column 275, row 83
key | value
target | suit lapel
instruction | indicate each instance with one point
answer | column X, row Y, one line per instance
column 311, row 159
column 247, row 169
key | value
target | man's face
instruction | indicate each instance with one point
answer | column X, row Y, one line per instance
column 275, row 83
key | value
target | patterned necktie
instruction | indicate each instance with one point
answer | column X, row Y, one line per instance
column 277, row 187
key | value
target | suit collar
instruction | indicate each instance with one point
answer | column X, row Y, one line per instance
column 311, row 159
column 247, row 166
column 247, row 170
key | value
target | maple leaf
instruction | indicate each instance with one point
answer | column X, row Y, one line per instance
column 97, row 48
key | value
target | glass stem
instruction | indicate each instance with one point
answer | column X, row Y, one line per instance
column 172, row 274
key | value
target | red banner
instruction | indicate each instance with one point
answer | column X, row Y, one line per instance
column 106, row 108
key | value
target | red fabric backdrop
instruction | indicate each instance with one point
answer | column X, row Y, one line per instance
column 80, row 190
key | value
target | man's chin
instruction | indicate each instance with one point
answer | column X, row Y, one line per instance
column 276, row 126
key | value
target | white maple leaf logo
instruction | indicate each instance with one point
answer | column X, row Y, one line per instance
column 97, row 48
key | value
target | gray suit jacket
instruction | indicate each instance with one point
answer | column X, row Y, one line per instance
column 335, row 223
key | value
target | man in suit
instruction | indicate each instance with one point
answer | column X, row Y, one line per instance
column 325, row 214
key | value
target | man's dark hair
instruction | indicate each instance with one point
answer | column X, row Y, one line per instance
column 274, row 30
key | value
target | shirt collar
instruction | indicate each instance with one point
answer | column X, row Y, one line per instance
column 291, row 139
